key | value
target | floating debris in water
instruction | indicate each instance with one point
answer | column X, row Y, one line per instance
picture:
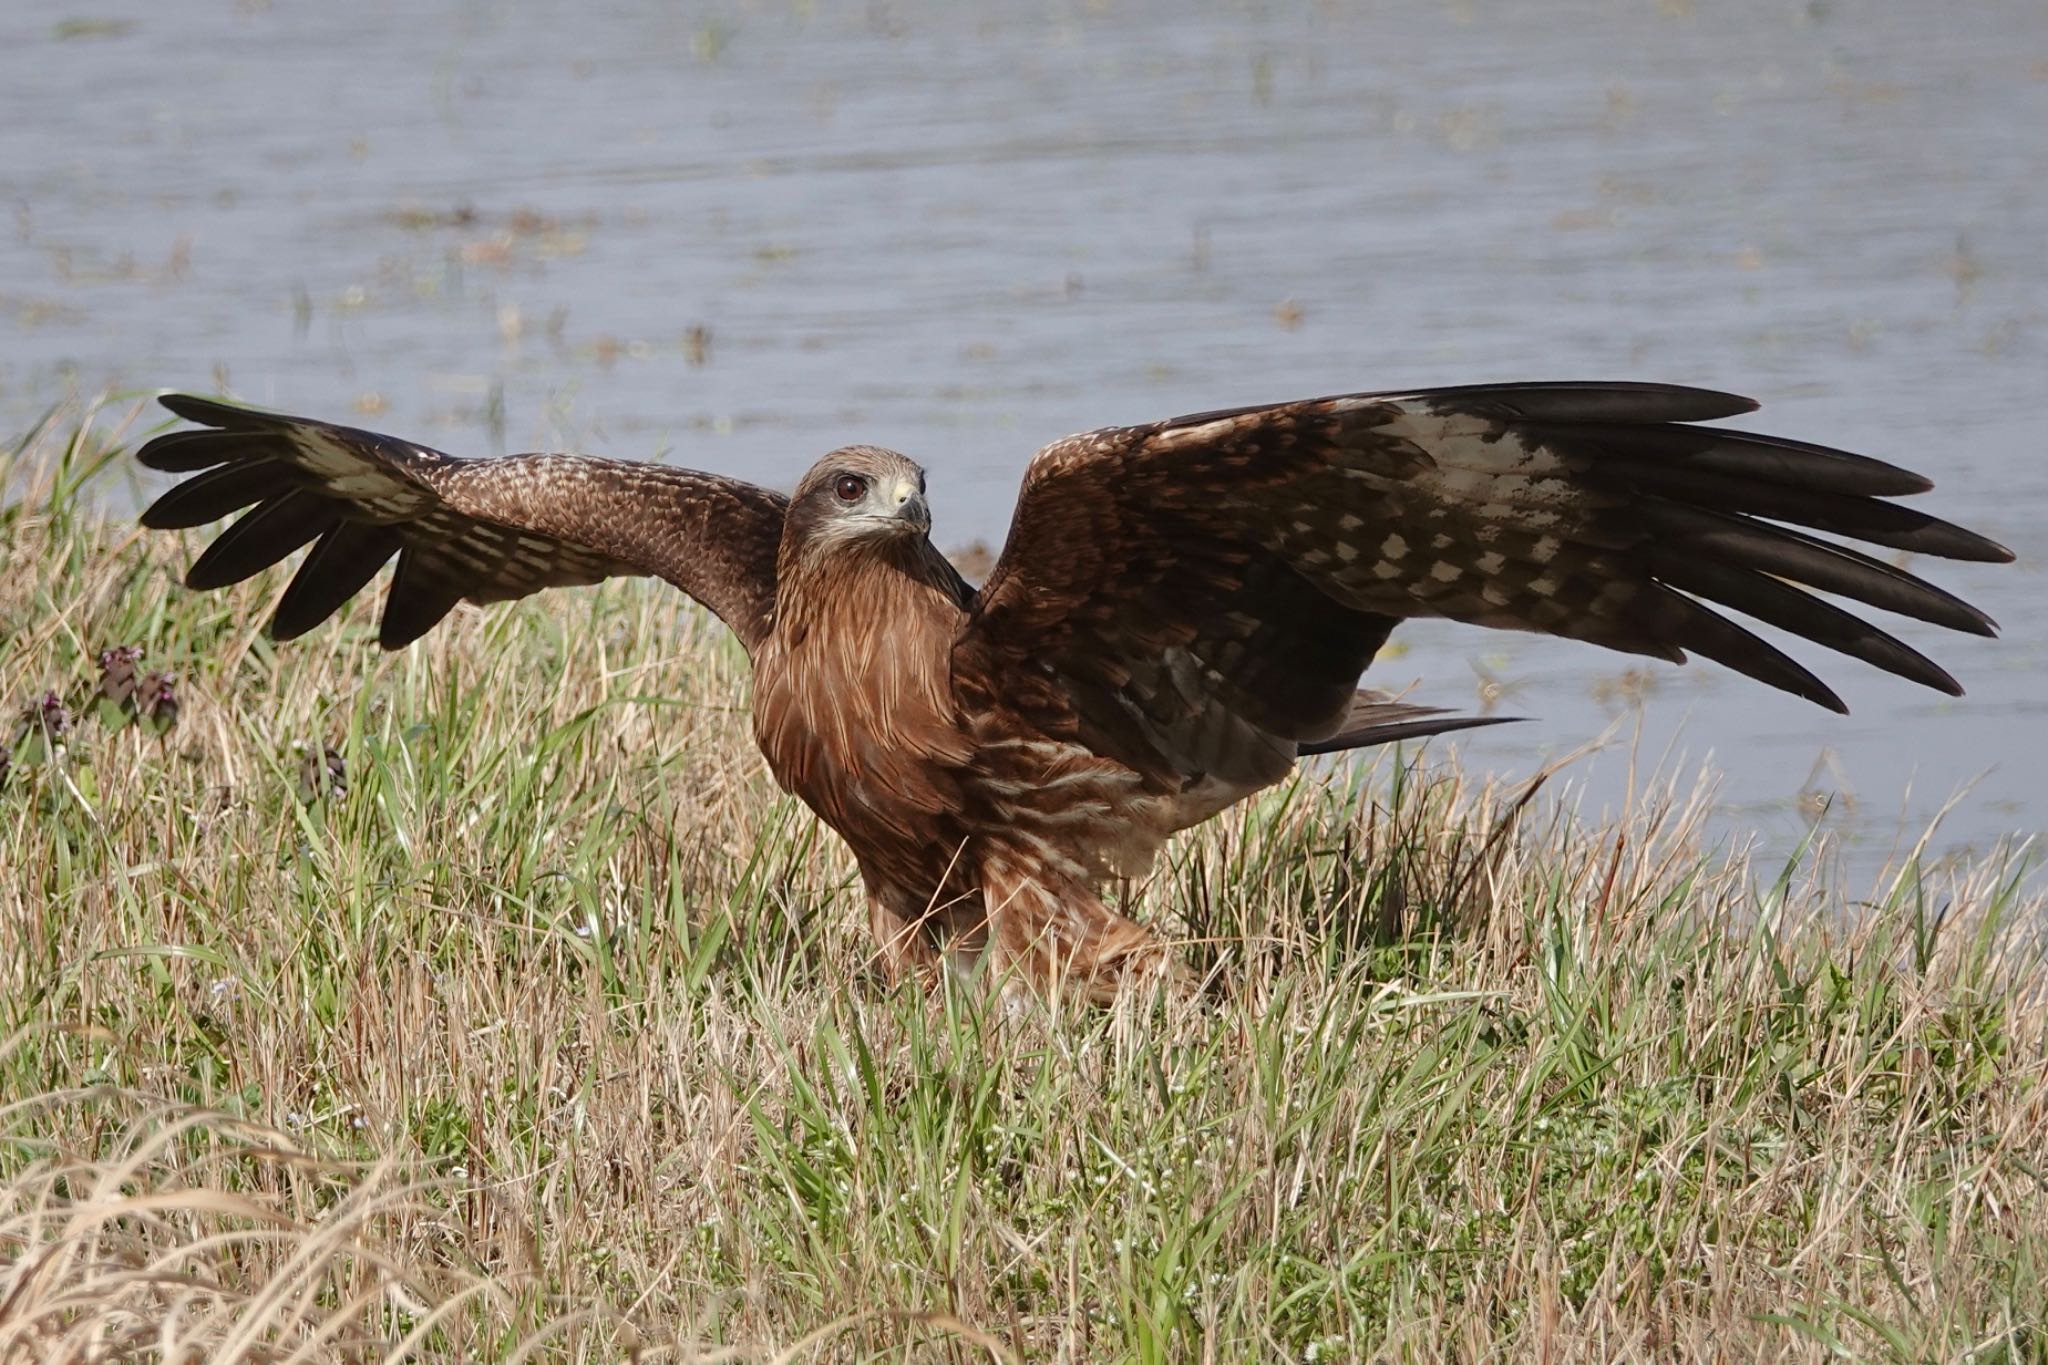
column 1625, row 689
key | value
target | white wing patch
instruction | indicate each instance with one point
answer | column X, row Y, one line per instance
column 347, row 473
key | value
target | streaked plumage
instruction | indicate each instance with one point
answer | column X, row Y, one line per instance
column 1181, row 609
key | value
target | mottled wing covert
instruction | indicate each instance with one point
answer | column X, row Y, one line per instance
column 475, row 530
column 1271, row 548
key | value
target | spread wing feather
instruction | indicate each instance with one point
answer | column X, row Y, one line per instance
column 1213, row 546
column 481, row 530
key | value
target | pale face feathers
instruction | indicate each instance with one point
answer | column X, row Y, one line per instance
column 859, row 493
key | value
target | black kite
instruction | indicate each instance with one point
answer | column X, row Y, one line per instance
column 1180, row 611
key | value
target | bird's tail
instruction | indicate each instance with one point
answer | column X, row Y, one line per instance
column 1376, row 718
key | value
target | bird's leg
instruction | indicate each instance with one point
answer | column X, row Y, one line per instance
column 1058, row 934
column 902, row 947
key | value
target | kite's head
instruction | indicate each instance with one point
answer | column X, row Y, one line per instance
column 860, row 493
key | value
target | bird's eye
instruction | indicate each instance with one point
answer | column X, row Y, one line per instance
column 850, row 488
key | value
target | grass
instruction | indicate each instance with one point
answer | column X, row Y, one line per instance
column 530, row 1023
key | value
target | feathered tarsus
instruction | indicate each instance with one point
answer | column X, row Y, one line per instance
column 1181, row 610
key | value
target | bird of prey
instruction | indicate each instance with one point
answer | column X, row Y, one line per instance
column 1181, row 610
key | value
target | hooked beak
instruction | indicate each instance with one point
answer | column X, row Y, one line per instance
column 911, row 506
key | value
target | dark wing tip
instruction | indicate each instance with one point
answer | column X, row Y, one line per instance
column 1697, row 629
column 1731, row 404
column 402, row 627
column 1809, row 687
column 186, row 450
column 276, row 528
column 344, row 560
column 217, row 492
column 1932, row 535
column 209, row 411
column 226, row 430
column 424, row 589
column 1623, row 401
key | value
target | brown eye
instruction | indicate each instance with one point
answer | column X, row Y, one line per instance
column 850, row 488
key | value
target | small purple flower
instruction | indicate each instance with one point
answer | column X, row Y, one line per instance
column 48, row 719
column 45, row 721
column 117, row 675
column 157, row 699
column 323, row 773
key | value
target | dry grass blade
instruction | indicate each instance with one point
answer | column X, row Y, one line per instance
column 150, row 1248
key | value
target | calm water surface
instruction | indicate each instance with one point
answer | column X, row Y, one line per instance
column 737, row 235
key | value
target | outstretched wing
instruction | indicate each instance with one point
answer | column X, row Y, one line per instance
column 480, row 530
column 1254, row 559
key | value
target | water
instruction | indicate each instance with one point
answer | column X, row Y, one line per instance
column 738, row 235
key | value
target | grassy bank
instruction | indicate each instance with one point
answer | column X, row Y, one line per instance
column 488, row 998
